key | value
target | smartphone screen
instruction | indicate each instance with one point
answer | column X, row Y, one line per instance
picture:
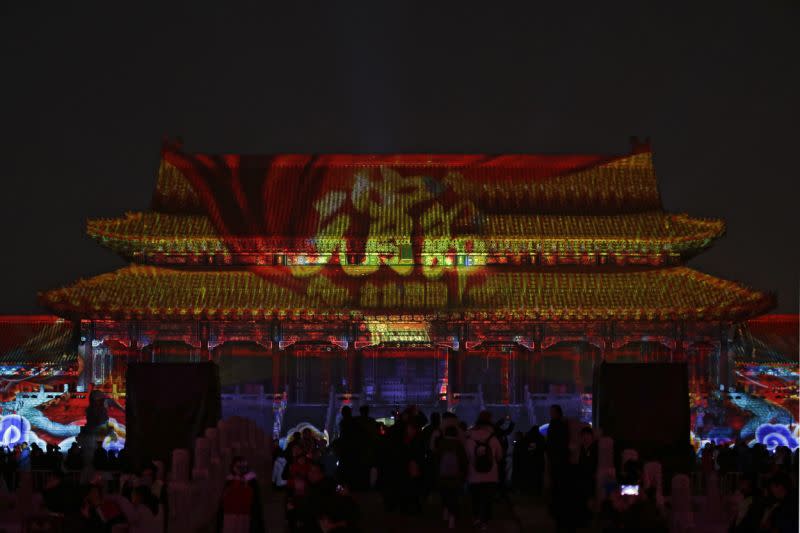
column 629, row 490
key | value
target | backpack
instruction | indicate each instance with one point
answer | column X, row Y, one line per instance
column 484, row 457
column 448, row 465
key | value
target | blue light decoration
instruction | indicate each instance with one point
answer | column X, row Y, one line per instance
column 15, row 429
column 774, row 435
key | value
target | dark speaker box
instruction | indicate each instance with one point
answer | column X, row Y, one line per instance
column 645, row 406
column 168, row 405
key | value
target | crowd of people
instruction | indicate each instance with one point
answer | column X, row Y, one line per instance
column 24, row 457
column 418, row 456
column 110, row 497
column 766, row 498
column 138, row 500
column 413, row 462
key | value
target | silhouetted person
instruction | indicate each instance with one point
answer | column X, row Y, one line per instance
column 54, row 458
column 100, row 458
column 58, row 496
column 240, row 505
column 431, row 434
column 366, row 443
column 535, row 447
column 485, row 453
column 74, row 457
column 347, row 425
column 519, row 462
column 586, row 475
column 749, row 507
column 558, row 462
column 348, row 444
column 452, row 464
column 502, row 429
column 37, row 456
column 412, row 455
column 367, row 425
column 782, row 508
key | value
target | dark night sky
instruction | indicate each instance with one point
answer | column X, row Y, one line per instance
column 88, row 91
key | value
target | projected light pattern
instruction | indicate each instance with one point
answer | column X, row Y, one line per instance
column 53, row 418
column 14, row 430
column 383, row 275
column 764, row 410
column 774, row 435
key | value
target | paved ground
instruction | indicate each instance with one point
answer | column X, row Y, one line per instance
column 511, row 516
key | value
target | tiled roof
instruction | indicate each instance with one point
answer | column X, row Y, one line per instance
column 649, row 233
column 775, row 339
column 35, row 339
column 475, row 293
column 293, row 183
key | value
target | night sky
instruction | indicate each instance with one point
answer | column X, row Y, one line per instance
column 88, row 92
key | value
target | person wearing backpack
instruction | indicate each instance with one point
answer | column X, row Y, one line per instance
column 452, row 463
column 484, row 453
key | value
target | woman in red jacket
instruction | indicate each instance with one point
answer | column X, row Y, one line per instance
column 241, row 501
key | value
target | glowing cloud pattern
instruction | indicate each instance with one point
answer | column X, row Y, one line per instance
column 774, row 435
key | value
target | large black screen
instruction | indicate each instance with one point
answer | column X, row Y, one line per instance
column 168, row 405
column 645, row 407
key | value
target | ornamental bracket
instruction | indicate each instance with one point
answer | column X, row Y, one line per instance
column 528, row 344
column 283, row 344
column 452, row 345
column 359, row 345
column 343, row 344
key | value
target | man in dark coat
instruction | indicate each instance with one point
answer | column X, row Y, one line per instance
column 558, row 462
column 586, row 475
column 535, row 447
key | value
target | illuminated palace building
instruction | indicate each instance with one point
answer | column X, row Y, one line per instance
column 446, row 281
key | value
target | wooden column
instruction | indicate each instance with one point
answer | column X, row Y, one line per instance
column 276, row 368
column 452, row 371
column 353, row 369
column 276, row 358
column 85, row 380
column 358, row 370
column 505, row 376
column 713, row 366
column 134, row 350
column 520, row 373
column 327, row 362
column 350, row 365
column 458, row 357
column 535, row 359
column 203, row 333
column 533, row 366
column 725, row 363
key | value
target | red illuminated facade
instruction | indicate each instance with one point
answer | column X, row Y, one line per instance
column 406, row 278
